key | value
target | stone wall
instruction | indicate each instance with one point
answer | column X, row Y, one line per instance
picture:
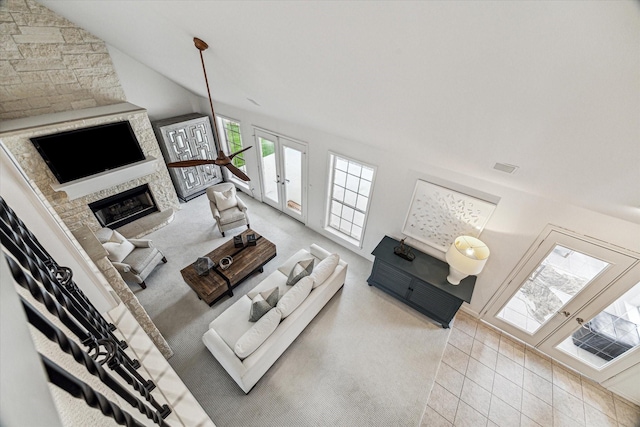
column 48, row 64
column 76, row 212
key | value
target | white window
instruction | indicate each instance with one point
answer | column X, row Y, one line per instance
column 349, row 194
column 232, row 142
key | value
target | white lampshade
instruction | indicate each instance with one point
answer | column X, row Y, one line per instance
column 466, row 256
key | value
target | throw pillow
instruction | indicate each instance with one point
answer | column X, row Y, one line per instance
column 259, row 307
column 289, row 263
column 296, row 295
column 118, row 250
column 262, row 302
column 226, row 199
column 254, row 337
column 324, row 269
column 301, row 269
column 117, row 237
column 270, row 295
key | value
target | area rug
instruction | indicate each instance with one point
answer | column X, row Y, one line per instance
column 365, row 360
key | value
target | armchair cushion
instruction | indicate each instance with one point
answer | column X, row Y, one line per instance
column 226, row 199
column 139, row 259
column 231, row 215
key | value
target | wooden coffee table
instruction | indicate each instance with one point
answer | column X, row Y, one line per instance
column 246, row 261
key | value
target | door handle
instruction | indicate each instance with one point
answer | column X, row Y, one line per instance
column 579, row 320
column 566, row 313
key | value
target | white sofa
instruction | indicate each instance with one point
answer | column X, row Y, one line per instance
column 232, row 328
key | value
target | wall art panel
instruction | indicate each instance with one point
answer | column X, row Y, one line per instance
column 437, row 215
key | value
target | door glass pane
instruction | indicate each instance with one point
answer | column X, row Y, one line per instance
column 269, row 172
column 557, row 279
column 293, row 178
column 610, row 333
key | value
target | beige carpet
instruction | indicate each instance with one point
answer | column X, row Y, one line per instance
column 365, row 360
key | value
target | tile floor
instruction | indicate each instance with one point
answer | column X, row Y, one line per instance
column 488, row 379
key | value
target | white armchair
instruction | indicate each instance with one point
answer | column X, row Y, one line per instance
column 227, row 209
column 133, row 258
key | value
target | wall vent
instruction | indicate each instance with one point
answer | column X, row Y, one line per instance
column 503, row 167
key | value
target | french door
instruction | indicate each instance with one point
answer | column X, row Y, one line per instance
column 577, row 300
column 283, row 173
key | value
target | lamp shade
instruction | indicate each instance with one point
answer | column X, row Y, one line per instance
column 466, row 256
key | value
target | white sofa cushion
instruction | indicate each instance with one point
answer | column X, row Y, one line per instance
column 324, row 269
column 293, row 260
column 274, row 279
column 232, row 323
column 254, row 337
column 292, row 299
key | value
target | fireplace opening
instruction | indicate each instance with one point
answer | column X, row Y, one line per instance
column 123, row 208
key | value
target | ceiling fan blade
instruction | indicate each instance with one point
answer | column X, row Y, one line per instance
column 232, row 155
column 237, row 172
column 191, row 163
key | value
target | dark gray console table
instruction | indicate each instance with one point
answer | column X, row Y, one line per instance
column 421, row 283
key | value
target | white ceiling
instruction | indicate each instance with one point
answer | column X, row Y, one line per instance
column 553, row 87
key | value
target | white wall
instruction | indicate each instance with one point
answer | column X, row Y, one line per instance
column 516, row 222
column 147, row 88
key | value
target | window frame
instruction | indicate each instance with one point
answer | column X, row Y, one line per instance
column 220, row 118
column 331, row 164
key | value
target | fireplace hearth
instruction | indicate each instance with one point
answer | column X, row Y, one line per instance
column 123, row 208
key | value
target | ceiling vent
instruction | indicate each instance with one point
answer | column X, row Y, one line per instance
column 503, row 167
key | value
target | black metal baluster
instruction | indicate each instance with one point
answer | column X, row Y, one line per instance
column 50, row 303
column 58, row 273
column 90, row 319
column 113, row 358
column 62, row 295
column 52, row 332
column 80, row 389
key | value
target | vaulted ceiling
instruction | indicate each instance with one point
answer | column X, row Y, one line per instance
column 552, row 87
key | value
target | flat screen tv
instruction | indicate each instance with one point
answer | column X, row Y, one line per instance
column 84, row 152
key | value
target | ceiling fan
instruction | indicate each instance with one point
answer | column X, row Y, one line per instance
column 222, row 159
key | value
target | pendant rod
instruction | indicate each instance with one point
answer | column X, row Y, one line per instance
column 201, row 45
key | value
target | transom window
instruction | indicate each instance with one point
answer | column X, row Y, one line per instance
column 232, row 142
column 349, row 195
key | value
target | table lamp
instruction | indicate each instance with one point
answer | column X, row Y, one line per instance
column 466, row 256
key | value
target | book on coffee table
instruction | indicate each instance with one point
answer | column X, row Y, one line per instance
column 237, row 241
column 251, row 239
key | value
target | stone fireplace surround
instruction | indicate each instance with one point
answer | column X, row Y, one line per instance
column 75, row 213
